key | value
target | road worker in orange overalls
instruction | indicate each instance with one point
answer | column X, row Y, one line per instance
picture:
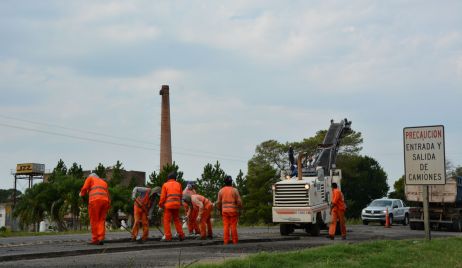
column 191, row 212
column 143, row 206
column 204, row 207
column 98, row 206
column 170, row 203
column 229, row 202
column 337, row 212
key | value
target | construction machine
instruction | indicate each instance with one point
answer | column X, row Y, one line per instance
column 301, row 199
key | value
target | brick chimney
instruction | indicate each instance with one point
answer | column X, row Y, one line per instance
column 165, row 131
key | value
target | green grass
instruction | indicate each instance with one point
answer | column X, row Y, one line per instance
column 403, row 253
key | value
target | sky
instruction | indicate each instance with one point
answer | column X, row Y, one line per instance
column 80, row 80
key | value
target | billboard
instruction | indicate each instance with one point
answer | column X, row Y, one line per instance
column 30, row 168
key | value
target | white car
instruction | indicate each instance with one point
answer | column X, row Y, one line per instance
column 376, row 211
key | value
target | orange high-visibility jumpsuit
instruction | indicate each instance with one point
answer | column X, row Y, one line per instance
column 191, row 213
column 229, row 201
column 337, row 213
column 98, row 206
column 204, row 208
column 141, row 207
column 170, row 201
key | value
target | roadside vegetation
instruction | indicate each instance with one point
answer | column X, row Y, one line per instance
column 404, row 253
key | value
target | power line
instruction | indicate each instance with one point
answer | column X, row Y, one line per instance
column 107, row 142
column 112, row 136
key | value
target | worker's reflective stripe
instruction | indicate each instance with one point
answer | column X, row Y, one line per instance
column 230, row 206
column 171, row 200
column 98, row 194
column 98, row 187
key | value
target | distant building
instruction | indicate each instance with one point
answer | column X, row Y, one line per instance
column 138, row 177
column 6, row 217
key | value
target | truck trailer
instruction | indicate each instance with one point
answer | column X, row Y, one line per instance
column 301, row 199
column 445, row 205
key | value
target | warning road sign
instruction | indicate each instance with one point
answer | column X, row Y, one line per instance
column 424, row 155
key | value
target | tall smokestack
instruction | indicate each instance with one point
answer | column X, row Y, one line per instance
column 165, row 131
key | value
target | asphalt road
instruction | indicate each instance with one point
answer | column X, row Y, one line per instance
column 118, row 252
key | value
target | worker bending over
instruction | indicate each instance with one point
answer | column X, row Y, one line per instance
column 142, row 209
column 191, row 212
column 204, row 207
column 229, row 202
column 170, row 203
column 337, row 212
column 98, row 206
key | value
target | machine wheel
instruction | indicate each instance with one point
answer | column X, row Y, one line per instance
column 315, row 229
column 365, row 222
column 406, row 220
column 285, row 229
column 457, row 225
column 420, row 226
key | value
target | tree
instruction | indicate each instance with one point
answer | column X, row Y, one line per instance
column 117, row 175
column 399, row 189
column 241, row 184
column 159, row 179
column 120, row 201
column 28, row 209
column 452, row 170
column 273, row 153
column 211, row 181
column 119, row 194
column 458, row 171
column 363, row 181
column 276, row 154
column 76, row 171
column 257, row 203
column 100, row 170
column 58, row 171
column 7, row 195
column 64, row 191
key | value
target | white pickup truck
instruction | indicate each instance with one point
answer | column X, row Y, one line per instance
column 377, row 209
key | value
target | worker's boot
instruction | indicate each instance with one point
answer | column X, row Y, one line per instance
column 210, row 237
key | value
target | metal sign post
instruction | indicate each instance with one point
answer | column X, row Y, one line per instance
column 426, row 212
column 424, row 162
